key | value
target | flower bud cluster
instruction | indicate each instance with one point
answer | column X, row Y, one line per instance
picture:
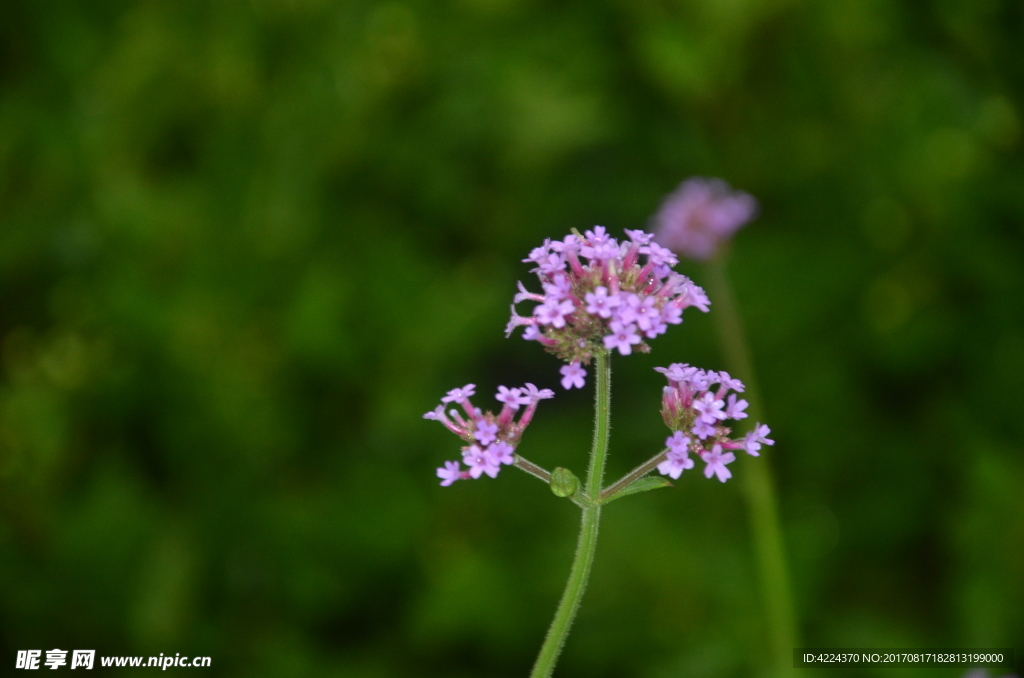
column 696, row 415
column 600, row 294
column 491, row 439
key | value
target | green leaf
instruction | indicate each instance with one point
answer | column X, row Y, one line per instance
column 642, row 485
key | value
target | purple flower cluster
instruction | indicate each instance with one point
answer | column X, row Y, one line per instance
column 696, row 415
column 491, row 439
column 600, row 294
column 701, row 214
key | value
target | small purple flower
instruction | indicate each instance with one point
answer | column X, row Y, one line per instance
column 697, row 297
column 537, row 254
column 524, row 295
column 552, row 312
column 449, row 473
column 480, row 462
column 437, row 414
column 657, row 327
column 501, row 453
column 623, row 337
column 566, row 246
column 626, row 312
column 600, row 303
column 531, row 333
column 672, row 314
column 716, row 461
column 559, row 288
column 572, row 375
column 534, row 394
column 701, row 214
column 662, row 271
column 552, row 263
column 703, row 429
column 729, row 383
column 735, row 408
column 675, row 463
column 639, row 237
column 603, row 251
column 710, row 408
column 517, row 320
column 512, row 397
column 457, row 395
column 659, row 256
column 677, row 372
column 677, row 442
column 644, row 311
column 701, row 380
column 753, row 440
column 486, row 432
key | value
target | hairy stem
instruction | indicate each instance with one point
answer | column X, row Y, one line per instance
column 602, row 424
column 532, row 469
column 637, row 473
column 758, row 485
column 587, row 542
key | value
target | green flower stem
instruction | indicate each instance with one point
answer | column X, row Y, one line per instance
column 602, row 423
column 757, row 485
column 587, row 543
column 570, row 602
column 639, row 472
column 532, row 469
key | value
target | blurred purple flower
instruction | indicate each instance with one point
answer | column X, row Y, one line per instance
column 700, row 215
column 449, row 473
column 753, row 440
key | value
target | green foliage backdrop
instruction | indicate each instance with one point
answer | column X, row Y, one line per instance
column 244, row 246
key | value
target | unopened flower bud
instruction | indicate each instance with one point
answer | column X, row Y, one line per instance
column 564, row 482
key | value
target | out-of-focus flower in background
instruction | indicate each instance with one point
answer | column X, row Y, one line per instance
column 701, row 214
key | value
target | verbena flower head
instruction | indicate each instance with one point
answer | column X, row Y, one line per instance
column 600, row 294
column 490, row 439
column 697, row 416
column 701, row 214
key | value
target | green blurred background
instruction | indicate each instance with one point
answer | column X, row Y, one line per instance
column 244, row 246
